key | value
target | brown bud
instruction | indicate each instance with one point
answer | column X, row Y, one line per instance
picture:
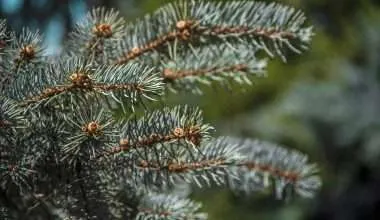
column 92, row 128
column 27, row 52
column 80, row 79
column 179, row 132
column 103, row 30
column 135, row 50
column 123, row 142
column 181, row 25
column 74, row 76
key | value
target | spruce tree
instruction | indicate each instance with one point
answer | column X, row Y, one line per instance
column 66, row 155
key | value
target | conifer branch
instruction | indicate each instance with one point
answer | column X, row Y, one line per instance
column 97, row 36
column 163, row 130
column 200, row 21
column 191, row 134
column 128, row 83
column 150, row 46
column 206, row 167
column 24, row 52
column 223, row 64
column 89, row 132
column 267, row 162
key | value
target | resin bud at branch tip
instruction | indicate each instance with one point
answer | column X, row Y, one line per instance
column 27, row 52
column 103, row 30
column 92, row 129
column 80, row 79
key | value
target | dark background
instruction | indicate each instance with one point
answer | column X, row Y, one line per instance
column 325, row 103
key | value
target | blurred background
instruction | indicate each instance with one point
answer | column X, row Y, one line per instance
column 325, row 103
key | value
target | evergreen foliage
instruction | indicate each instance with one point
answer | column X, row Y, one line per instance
column 64, row 155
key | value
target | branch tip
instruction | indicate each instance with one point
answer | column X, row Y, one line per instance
column 27, row 52
column 92, row 129
column 81, row 80
column 103, row 30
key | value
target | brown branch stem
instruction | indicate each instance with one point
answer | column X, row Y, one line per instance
column 169, row 74
column 191, row 133
column 56, row 90
column 150, row 46
column 244, row 30
column 289, row 175
column 181, row 167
